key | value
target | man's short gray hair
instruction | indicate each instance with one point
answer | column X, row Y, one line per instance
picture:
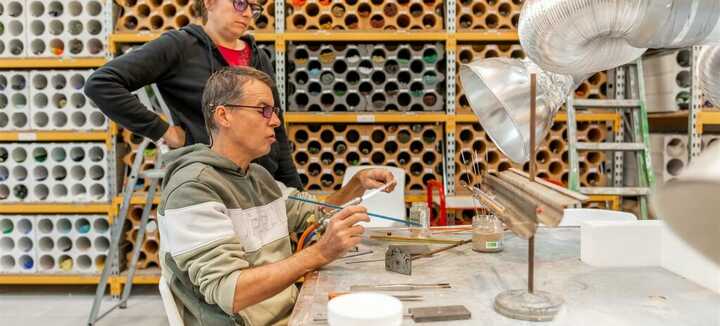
column 227, row 86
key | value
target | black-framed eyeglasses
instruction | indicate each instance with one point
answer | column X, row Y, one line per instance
column 266, row 110
column 241, row 5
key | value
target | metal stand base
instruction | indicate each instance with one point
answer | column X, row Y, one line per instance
column 522, row 305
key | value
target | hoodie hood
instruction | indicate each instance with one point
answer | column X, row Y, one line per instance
column 198, row 153
column 199, row 33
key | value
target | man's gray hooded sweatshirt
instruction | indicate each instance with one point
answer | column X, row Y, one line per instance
column 217, row 220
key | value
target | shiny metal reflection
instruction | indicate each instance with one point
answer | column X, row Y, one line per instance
column 709, row 68
column 579, row 36
column 498, row 91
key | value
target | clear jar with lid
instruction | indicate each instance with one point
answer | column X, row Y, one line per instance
column 487, row 233
column 420, row 215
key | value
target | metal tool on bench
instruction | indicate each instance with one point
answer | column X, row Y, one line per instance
column 424, row 314
column 399, row 286
column 401, row 297
column 154, row 175
column 399, row 258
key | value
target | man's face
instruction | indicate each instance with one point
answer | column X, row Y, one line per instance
column 246, row 128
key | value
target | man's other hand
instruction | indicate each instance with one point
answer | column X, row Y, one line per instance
column 375, row 178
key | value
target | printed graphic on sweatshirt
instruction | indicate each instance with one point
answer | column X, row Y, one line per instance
column 261, row 225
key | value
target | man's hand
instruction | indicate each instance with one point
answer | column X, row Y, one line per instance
column 174, row 137
column 375, row 178
column 341, row 234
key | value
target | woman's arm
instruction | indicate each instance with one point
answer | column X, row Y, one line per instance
column 111, row 86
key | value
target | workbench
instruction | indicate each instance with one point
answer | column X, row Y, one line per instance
column 593, row 296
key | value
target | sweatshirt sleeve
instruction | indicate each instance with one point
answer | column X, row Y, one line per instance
column 297, row 211
column 198, row 233
column 111, row 86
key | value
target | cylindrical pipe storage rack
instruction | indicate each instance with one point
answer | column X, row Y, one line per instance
column 74, row 28
column 150, row 246
column 54, row 172
column 420, row 15
column 159, row 16
column 343, row 77
column 322, row 153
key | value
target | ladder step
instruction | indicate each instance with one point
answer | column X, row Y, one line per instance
column 610, row 104
column 611, row 146
column 626, row 191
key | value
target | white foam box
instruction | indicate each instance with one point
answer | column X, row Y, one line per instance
column 620, row 243
column 645, row 243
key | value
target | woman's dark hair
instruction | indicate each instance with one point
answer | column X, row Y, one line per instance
column 200, row 9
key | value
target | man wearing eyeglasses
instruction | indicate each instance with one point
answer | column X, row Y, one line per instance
column 225, row 222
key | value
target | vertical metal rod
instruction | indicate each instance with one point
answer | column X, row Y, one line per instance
column 533, row 118
column 531, row 264
column 533, row 94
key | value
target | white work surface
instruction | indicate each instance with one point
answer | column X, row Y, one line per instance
column 593, row 296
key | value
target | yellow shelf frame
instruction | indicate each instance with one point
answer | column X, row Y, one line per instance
column 130, row 38
column 342, row 36
column 69, row 208
column 49, row 279
column 353, row 36
column 51, row 63
column 487, row 36
column 369, row 117
column 615, row 201
column 615, row 117
column 706, row 118
column 53, row 135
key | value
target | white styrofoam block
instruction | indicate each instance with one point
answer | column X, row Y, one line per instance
column 14, row 172
column 66, row 28
column 55, row 172
column 675, row 156
column 667, row 76
column 645, row 243
column 577, row 216
column 679, row 258
column 620, row 243
column 58, row 101
column 13, row 40
column 14, row 100
column 72, row 243
column 708, row 140
column 17, row 244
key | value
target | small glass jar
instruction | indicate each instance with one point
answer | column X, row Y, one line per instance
column 420, row 215
column 487, row 234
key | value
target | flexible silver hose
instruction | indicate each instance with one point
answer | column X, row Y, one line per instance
column 709, row 68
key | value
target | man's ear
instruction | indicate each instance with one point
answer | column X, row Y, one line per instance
column 221, row 116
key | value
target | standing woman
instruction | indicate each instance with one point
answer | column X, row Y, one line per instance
column 180, row 62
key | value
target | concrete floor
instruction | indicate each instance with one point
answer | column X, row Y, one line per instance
column 70, row 306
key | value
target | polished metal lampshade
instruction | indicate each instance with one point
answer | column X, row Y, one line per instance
column 498, row 91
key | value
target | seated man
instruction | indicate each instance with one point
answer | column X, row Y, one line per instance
column 225, row 222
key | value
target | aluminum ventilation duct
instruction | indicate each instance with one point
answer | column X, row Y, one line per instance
column 581, row 36
column 576, row 38
column 676, row 23
column 689, row 204
column 709, row 67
